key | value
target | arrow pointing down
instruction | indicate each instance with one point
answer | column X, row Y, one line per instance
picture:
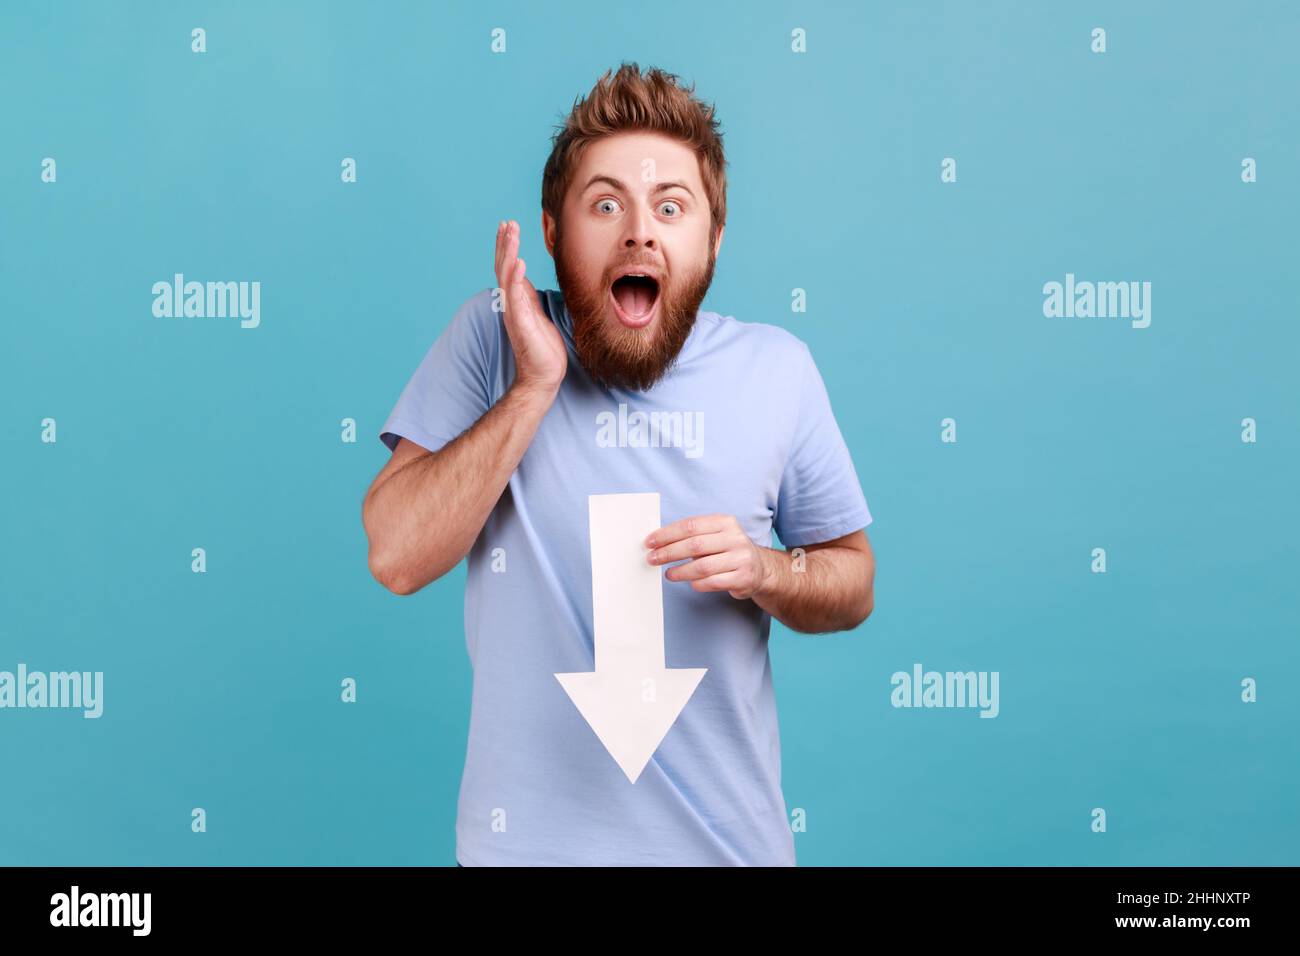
column 631, row 699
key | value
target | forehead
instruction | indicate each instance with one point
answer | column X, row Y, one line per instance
column 639, row 160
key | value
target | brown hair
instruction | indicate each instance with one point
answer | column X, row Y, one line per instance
column 625, row 101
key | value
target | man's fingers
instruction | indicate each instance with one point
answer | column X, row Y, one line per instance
column 696, row 524
column 692, row 547
column 512, row 241
column 502, row 265
column 518, row 292
column 702, row 568
column 512, row 276
column 728, row 581
column 507, row 250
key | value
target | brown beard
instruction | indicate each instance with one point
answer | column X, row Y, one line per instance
column 614, row 355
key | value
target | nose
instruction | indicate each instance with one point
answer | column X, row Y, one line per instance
column 640, row 229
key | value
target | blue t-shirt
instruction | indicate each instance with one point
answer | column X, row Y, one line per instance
column 740, row 425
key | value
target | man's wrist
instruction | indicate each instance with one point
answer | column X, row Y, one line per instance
column 534, row 395
column 772, row 564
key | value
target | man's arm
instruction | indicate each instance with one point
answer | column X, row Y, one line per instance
column 834, row 591
column 424, row 509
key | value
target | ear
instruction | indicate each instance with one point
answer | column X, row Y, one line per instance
column 548, row 232
column 717, row 245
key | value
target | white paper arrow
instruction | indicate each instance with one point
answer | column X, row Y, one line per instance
column 630, row 699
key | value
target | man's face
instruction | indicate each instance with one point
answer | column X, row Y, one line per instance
column 636, row 204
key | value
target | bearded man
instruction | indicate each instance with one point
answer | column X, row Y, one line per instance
column 620, row 584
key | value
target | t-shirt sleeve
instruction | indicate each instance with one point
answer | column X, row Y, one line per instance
column 450, row 389
column 819, row 498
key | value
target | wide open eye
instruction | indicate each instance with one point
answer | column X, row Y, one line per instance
column 607, row 202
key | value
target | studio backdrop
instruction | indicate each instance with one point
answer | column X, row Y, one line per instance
column 1044, row 256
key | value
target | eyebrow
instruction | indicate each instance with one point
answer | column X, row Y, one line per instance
column 659, row 187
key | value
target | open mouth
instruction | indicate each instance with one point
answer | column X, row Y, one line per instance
column 635, row 298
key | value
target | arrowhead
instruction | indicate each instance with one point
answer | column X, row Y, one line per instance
column 631, row 713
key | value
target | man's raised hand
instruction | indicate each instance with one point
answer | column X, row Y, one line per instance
column 540, row 356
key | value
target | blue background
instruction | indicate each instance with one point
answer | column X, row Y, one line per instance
column 1118, row 690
